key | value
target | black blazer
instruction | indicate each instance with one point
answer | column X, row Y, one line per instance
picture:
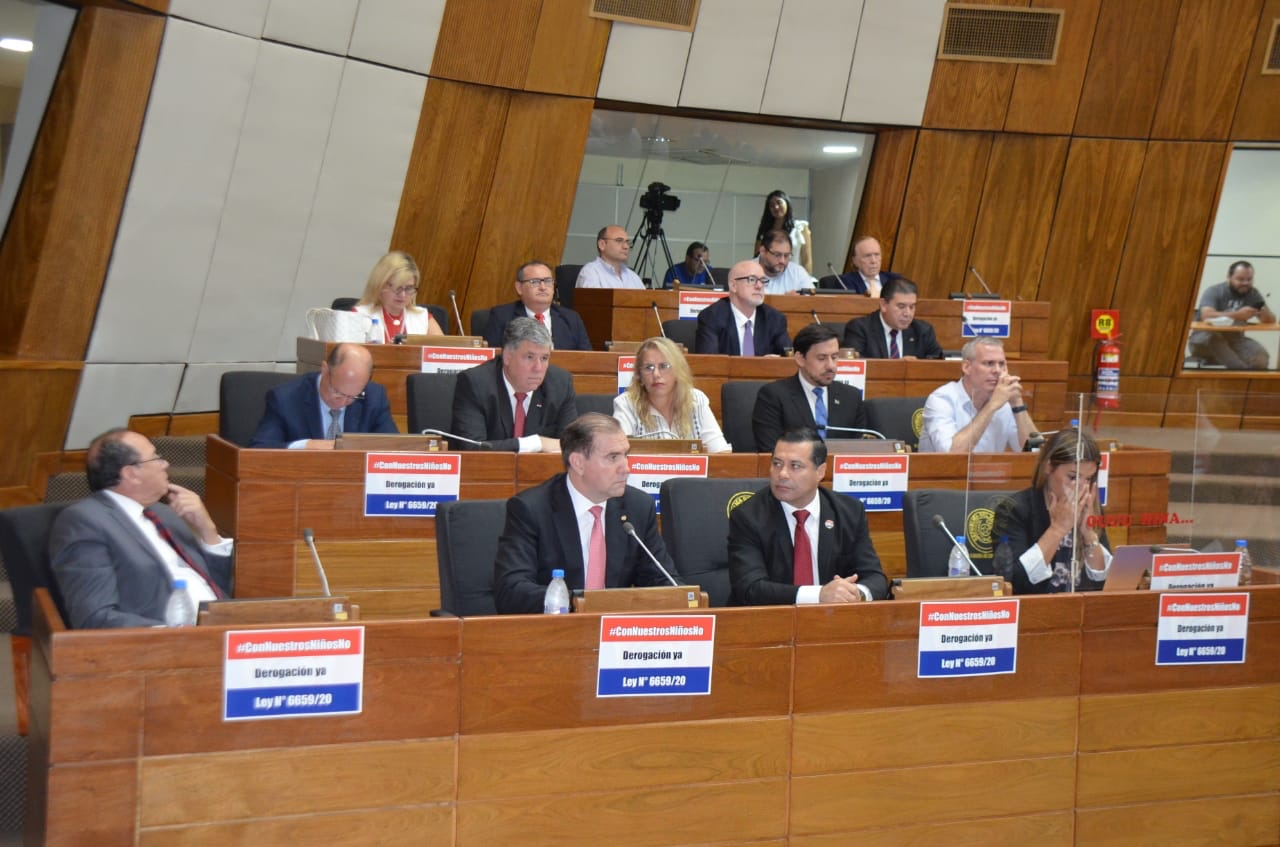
column 762, row 547
column 568, row 332
column 1024, row 518
column 541, row 533
column 781, row 406
column 866, row 335
column 293, row 413
column 482, row 409
column 718, row 332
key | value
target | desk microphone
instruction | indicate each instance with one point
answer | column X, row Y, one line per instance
column 880, row 435
column 483, row 445
column 706, row 269
column 985, row 288
column 631, row 530
column 310, row 537
column 942, row 525
column 1156, row 548
column 658, row 315
column 839, row 278
column 457, row 316
column 814, row 313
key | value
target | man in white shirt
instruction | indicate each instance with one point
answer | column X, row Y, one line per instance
column 983, row 411
column 609, row 270
column 775, row 256
column 117, row 553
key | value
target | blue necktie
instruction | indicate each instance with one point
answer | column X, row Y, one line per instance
column 820, row 414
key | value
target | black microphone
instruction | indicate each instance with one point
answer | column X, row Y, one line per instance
column 631, row 530
column 839, row 279
column 879, row 435
column 399, row 337
column 457, row 316
column 942, row 525
column 309, row 537
column 974, row 271
column 483, row 445
column 658, row 315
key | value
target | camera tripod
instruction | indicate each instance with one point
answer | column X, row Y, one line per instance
column 648, row 236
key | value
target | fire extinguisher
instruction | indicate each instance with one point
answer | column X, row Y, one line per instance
column 1106, row 374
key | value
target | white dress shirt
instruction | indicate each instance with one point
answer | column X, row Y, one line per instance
column 949, row 409
column 600, row 274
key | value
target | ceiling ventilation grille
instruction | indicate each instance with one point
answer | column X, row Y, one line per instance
column 1271, row 65
column 1000, row 34
column 668, row 14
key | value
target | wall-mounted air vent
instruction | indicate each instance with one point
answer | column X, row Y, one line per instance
column 668, row 14
column 1271, row 61
column 1000, row 34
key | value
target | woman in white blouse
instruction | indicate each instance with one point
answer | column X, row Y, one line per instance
column 389, row 296
column 661, row 401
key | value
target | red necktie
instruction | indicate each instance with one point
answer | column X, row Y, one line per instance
column 541, row 318
column 596, row 552
column 520, row 395
column 182, row 554
column 893, row 345
column 804, row 553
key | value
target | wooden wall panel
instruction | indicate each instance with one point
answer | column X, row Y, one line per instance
column 1130, row 48
column 568, row 50
column 1049, row 830
column 1163, row 251
column 1211, row 45
column 40, row 396
column 1024, row 175
column 884, row 192
column 488, row 42
column 1087, row 242
column 54, row 256
column 404, row 827
column 1238, row 822
column 1045, row 97
column 1258, row 109
column 970, row 95
column 940, row 209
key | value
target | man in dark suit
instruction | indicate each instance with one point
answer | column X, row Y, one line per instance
column 117, row 552
column 793, row 402
column 312, row 410
column 723, row 326
column 795, row 542
column 536, row 287
column 893, row 332
column 870, row 279
column 519, row 402
column 575, row 520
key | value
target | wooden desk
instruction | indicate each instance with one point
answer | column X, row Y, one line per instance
column 389, row 566
column 817, row 731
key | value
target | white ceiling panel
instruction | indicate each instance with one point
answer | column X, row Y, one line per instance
column 323, row 25
column 245, row 17
column 811, row 58
column 730, row 55
column 644, row 64
column 893, row 61
column 399, row 33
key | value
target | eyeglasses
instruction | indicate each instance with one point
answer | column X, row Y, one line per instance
column 156, row 458
column 626, row 242
column 541, row 282
column 651, row 367
column 352, row 397
column 779, row 256
column 408, row 289
column 752, row 280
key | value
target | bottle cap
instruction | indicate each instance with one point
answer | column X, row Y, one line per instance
column 959, row 539
column 557, row 573
column 1241, row 542
column 180, row 585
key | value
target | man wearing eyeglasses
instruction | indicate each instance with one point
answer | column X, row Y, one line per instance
column 310, row 412
column 740, row 324
column 536, row 287
column 117, row 553
column 610, row 270
column 785, row 276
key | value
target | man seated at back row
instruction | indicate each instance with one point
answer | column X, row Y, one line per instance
column 983, row 411
column 536, row 288
column 1237, row 301
column 893, row 332
column 116, row 553
column 518, row 402
column 812, row 398
column 609, row 270
column 574, row 521
column 741, row 324
column 314, row 409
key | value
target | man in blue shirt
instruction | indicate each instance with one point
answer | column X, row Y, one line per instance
column 694, row 270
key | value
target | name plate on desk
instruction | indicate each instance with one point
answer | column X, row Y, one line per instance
column 693, row 301
column 878, row 481
column 648, row 472
column 1202, row 629
column 1194, row 570
column 655, row 655
column 288, row 673
column 853, row 372
column 986, row 318
column 441, row 359
column 974, row 638
column 410, row 485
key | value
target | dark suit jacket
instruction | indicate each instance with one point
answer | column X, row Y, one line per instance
column 293, row 413
column 718, row 332
column 1024, row 518
column 762, row 547
column 866, row 335
column 567, row 329
column 110, row 575
column 482, row 409
column 781, row 406
column 542, row 534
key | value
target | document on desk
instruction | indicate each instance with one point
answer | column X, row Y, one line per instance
column 292, row 673
column 968, row 638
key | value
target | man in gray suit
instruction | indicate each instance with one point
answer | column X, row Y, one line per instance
column 117, row 552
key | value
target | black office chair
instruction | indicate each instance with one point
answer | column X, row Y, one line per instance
column 968, row 513
column 430, row 400
column 695, row 528
column 566, row 282
column 681, row 332
column 737, row 404
column 467, row 533
column 441, row 316
column 24, row 543
column 242, row 400
column 479, row 321
column 899, row 418
column 602, row 403
column 721, row 277
column 832, row 285
column 344, row 304
column 837, row 327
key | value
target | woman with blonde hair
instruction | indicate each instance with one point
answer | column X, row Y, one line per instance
column 661, row 401
column 389, row 296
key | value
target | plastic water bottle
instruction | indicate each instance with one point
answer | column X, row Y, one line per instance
column 556, row 601
column 1246, row 561
column 180, row 610
column 1002, row 562
column 956, row 564
column 375, row 332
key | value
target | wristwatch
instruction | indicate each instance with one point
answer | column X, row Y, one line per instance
column 1017, row 409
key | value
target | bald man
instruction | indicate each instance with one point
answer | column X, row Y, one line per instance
column 610, row 270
